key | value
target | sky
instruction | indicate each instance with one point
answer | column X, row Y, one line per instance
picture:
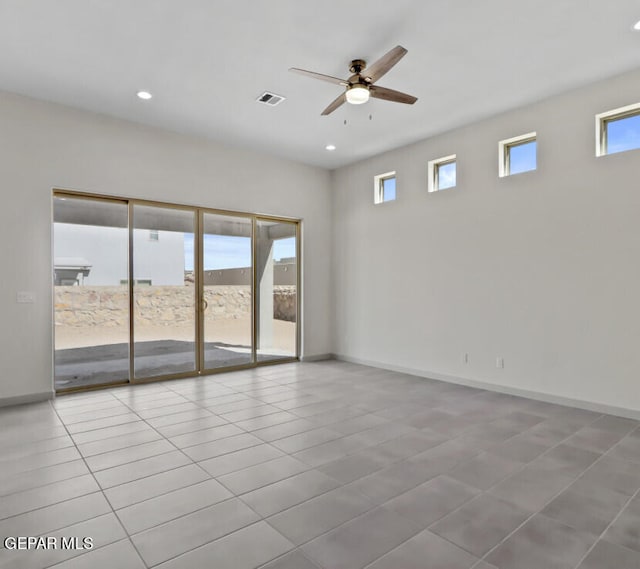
column 522, row 157
column 623, row 134
column 389, row 189
column 446, row 176
column 227, row 252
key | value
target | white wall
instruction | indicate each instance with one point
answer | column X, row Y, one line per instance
column 45, row 146
column 542, row 268
column 107, row 250
column 162, row 261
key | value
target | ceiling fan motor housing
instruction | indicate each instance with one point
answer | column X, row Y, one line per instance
column 357, row 66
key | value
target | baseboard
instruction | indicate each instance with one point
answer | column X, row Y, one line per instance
column 546, row 397
column 24, row 399
column 317, row 358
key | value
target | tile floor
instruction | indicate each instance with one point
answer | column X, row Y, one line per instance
column 319, row 466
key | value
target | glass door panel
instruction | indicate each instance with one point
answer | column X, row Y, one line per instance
column 227, row 290
column 277, row 289
column 164, row 291
column 91, row 297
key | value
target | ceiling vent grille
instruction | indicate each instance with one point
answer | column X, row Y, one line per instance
column 270, row 99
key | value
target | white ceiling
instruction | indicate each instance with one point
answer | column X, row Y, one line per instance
column 206, row 61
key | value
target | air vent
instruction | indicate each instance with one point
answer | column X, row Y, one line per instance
column 270, row 99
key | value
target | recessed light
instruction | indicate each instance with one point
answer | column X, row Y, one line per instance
column 637, row 25
column 330, row 147
column 144, row 95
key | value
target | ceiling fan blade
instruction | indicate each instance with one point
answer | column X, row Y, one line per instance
column 391, row 95
column 335, row 104
column 376, row 70
column 314, row 75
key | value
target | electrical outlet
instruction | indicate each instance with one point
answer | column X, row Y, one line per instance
column 499, row 362
column 24, row 297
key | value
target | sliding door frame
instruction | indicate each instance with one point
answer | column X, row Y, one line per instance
column 202, row 303
column 199, row 303
column 102, row 199
column 179, row 375
column 298, row 339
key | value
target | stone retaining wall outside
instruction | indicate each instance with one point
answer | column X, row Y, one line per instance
column 81, row 306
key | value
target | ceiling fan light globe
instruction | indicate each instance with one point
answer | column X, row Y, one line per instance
column 357, row 94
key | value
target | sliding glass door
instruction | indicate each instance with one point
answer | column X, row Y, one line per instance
column 164, row 291
column 144, row 290
column 227, row 290
column 277, row 287
column 91, row 299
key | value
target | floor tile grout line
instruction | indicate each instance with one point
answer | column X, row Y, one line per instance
column 227, row 534
column 137, row 461
column 239, row 495
column 157, row 427
column 181, row 516
column 477, row 559
column 112, row 436
column 428, row 528
column 62, row 397
column 68, row 421
column 207, row 441
column 124, row 529
column 360, row 515
column 341, row 435
column 244, row 394
column 285, row 554
column 132, row 446
column 264, row 518
column 159, row 495
column 14, row 459
column 374, row 507
column 44, row 486
column 573, row 481
column 347, row 454
column 130, row 461
column 483, row 492
column 601, row 536
column 107, row 411
column 619, row 441
column 59, row 563
column 71, row 433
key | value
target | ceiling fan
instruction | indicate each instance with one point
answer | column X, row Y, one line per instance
column 360, row 86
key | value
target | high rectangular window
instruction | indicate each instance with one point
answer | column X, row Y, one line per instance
column 618, row 130
column 518, row 154
column 442, row 173
column 384, row 188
